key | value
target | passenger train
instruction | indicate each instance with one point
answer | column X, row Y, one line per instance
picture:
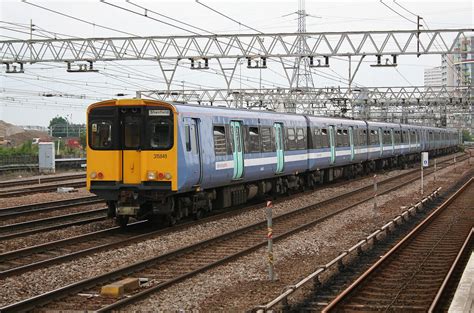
column 153, row 160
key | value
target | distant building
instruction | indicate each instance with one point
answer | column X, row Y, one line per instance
column 464, row 78
column 447, row 71
column 455, row 73
column 35, row 127
column 464, row 62
column 433, row 77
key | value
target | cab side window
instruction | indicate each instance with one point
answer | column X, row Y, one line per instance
column 101, row 134
column 161, row 134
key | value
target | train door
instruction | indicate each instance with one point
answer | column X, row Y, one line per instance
column 131, row 121
column 193, row 150
column 279, row 147
column 332, row 143
column 392, row 138
column 351, row 141
column 381, row 141
column 409, row 140
column 237, row 153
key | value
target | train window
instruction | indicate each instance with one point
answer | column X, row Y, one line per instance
column 101, row 134
column 345, row 137
column 266, row 137
column 220, row 147
column 187, row 135
column 339, row 139
column 291, row 139
column 365, row 140
column 253, row 140
column 316, row 138
column 373, row 137
column 300, row 137
column 300, row 134
column 324, row 138
column 160, row 133
column 291, row 134
column 131, row 132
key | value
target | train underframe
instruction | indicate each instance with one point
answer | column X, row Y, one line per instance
column 164, row 206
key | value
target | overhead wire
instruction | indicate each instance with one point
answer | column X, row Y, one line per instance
column 402, row 16
column 102, row 26
column 85, row 21
column 425, row 22
column 258, row 31
column 328, row 76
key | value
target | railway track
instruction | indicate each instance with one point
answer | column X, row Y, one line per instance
column 40, row 180
column 30, row 258
column 167, row 269
column 410, row 275
column 15, row 211
column 51, row 223
column 39, row 188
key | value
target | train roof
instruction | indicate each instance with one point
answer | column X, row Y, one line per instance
column 247, row 113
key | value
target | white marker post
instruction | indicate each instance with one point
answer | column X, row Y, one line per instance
column 271, row 274
column 375, row 192
column 424, row 163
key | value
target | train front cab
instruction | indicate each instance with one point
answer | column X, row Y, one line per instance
column 131, row 155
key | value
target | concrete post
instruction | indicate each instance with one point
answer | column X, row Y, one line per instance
column 271, row 274
column 375, row 192
column 421, row 178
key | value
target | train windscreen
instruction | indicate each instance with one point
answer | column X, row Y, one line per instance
column 131, row 128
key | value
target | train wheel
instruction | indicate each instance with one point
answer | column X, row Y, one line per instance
column 171, row 220
column 111, row 207
column 197, row 215
column 122, row 220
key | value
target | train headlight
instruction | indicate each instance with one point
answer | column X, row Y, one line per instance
column 100, row 175
column 151, row 175
column 168, row 176
column 93, row 175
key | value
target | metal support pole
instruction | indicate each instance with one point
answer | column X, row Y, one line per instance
column 271, row 274
column 454, row 164
column 435, row 170
column 421, row 163
column 375, row 192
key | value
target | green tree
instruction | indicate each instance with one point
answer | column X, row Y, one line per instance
column 58, row 126
column 466, row 136
column 82, row 140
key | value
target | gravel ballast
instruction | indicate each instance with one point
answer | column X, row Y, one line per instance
column 205, row 290
column 241, row 285
column 43, row 197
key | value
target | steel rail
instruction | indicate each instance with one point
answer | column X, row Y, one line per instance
column 78, row 239
column 302, row 212
column 396, row 248
column 47, row 206
column 464, row 249
column 39, row 188
column 15, row 230
column 39, row 180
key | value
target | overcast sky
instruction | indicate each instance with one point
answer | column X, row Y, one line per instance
column 21, row 102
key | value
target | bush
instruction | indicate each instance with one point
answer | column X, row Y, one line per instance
column 27, row 148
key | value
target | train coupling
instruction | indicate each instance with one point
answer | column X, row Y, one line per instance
column 127, row 210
